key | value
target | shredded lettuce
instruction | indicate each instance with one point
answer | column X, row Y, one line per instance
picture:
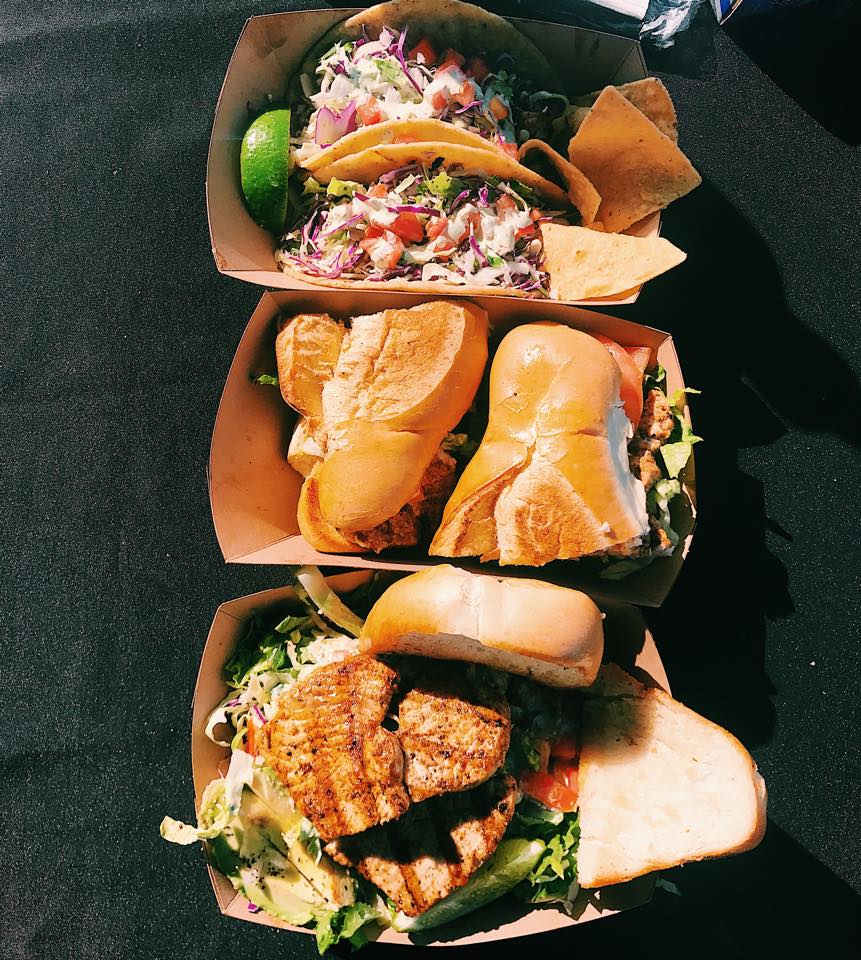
column 266, row 379
column 554, row 877
column 212, row 819
column 677, row 451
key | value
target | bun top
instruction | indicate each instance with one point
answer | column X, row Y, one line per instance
column 528, row 627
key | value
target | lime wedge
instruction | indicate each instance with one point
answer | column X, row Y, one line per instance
column 510, row 864
column 264, row 164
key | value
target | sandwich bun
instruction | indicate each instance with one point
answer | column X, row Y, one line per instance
column 551, row 634
column 377, row 401
column 550, row 479
column 659, row 785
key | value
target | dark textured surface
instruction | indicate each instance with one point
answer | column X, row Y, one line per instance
column 118, row 334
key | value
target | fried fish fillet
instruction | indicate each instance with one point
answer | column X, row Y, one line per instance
column 454, row 736
column 327, row 745
column 435, row 847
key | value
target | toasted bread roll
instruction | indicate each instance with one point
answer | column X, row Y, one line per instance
column 306, row 351
column 552, row 634
column 378, row 400
column 659, row 785
column 550, row 479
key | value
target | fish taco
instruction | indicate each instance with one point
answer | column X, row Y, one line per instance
column 442, row 218
column 382, row 75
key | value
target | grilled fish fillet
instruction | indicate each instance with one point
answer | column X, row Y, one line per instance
column 327, row 745
column 453, row 735
column 435, row 847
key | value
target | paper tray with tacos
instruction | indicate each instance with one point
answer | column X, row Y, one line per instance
column 435, row 147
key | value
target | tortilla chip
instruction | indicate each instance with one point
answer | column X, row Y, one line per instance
column 421, row 130
column 580, row 192
column 649, row 96
column 634, row 167
column 584, row 263
column 369, row 165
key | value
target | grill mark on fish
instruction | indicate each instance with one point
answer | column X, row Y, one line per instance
column 435, row 847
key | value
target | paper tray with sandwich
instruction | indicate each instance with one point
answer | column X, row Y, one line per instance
column 462, row 744
column 573, row 452
column 435, row 147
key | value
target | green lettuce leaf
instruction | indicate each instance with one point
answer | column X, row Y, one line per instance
column 554, row 877
column 390, row 71
column 677, row 452
column 213, row 818
column 676, row 456
column 344, row 924
column 266, row 379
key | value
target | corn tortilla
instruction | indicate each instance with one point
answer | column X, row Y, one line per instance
column 369, row 165
column 580, row 191
column 421, row 130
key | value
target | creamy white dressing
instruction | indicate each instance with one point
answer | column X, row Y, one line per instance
column 370, row 71
column 631, row 490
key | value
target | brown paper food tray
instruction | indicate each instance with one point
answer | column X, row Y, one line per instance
column 628, row 642
column 268, row 52
column 254, row 491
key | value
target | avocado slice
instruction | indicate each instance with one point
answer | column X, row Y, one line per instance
column 276, row 894
column 272, row 809
column 331, row 881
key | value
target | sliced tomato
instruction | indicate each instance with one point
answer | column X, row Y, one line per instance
column 497, row 108
column 369, row 112
column 408, row 227
column 525, row 232
column 546, row 789
column 378, row 190
column 631, row 389
column 505, row 203
column 435, row 226
column 566, row 772
column 641, row 356
column 509, row 148
column 395, row 247
column 426, row 49
column 477, row 69
column 465, row 95
column 450, row 55
column 566, row 748
column 439, row 101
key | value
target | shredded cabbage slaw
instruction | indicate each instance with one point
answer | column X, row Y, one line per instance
column 362, row 82
column 422, row 225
